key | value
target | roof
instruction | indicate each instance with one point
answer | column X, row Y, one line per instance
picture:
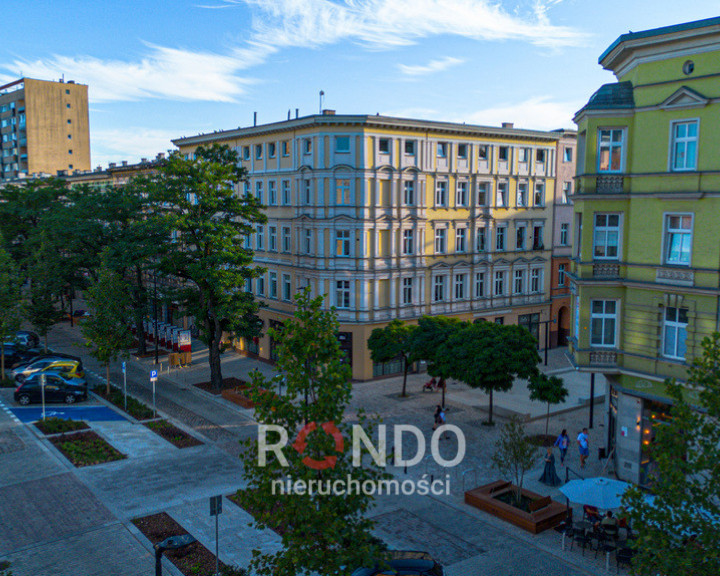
column 660, row 32
column 612, row 96
column 368, row 121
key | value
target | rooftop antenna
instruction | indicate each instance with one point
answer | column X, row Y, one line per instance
column 322, row 93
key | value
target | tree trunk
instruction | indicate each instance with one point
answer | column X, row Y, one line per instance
column 443, row 385
column 2, row 362
column 404, row 392
column 107, row 379
column 140, row 333
column 214, row 337
column 547, row 419
column 490, row 407
column 139, row 305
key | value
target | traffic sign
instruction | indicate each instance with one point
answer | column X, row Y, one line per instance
column 153, row 375
column 123, row 367
column 215, row 505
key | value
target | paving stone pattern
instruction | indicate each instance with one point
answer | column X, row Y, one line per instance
column 10, row 442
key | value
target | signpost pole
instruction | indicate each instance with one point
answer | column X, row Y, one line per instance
column 124, row 383
column 153, row 379
column 217, row 547
column 42, row 393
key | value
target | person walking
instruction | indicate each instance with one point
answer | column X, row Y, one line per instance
column 438, row 420
column 549, row 475
column 562, row 442
column 583, row 441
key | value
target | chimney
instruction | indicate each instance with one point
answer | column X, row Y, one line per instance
column 124, row 162
column 297, row 112
column 507, row 124
column 112, row 165
column 288, row 113
column 328, row 112
column 254, row 118
column 160, row 156
column 143, row 160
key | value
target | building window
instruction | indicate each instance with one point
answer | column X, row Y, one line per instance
column 272, row 232
column 408, row 242
column 287, row 287
column 272, row 149
column 520, row 237
column 260, row 285
column 462, row 151
column 503, row 153
column 384, row 145
column 538, row 243
column 502, row 198
column 460, row 235
column 67, row 105
column 603, row 322
column 439, row 288
column 500, row 238
column 441, row 193
column 342, row 242
column 285, row 148
column 308, row 241
column 566, row 193
column 272, row 193
column 285, row 187
column 343, row 192
column 407, row 290
column 246, row 152
column 342, row 144
column 442, row 149
column 308, row 192
column 523, row 154
column 606, row 236
column 409, row 192
column 540, row 155
column 273, row 285
column 286, row 239
column 259, row 191
column 342, row 294
column 564, row 228
column 481, row 241
column 535, row 280
column 684, row 145
column 675, row 333
column 539, row 194
column 522, row 194
column 518, row 281
column 678, row 238
column 610, row 150
column 479, row 284
column 499, row 283
column 69, row 136
column 258, row 151
column 482, row 194
column 69, row 151
column 567, row 155
column 500, row 320
column 307, row 146
column 259, row 237
column 440, row 237
column 561, row 274
column 461, row 198
column 483, row 152
column 248, row 285
column 410, row 146
column 460, row 283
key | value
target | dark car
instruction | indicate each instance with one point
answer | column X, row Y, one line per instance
column 403, row 562
column 58, row 388
column 13, row 354
column 30, row 354
column 25, row 338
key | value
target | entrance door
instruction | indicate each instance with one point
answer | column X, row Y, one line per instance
column 345, row 339
column 563, row 326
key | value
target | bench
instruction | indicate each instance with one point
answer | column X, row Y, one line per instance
column 539, row 504
column 498, row 486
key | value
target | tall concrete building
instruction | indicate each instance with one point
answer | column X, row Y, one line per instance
column 44, row 128
column 397, row 218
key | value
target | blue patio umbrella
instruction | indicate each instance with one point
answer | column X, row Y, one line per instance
column 604, row 493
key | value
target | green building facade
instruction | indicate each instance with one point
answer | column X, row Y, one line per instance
column 646, row 257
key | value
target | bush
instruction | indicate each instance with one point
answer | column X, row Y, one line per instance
column 5, row 569
column 135, row 408
column 59, row 425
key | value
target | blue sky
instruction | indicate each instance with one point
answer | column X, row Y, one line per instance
column 160, row 69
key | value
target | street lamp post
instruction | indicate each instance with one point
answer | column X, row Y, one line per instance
column 155, row 306
column 171, row 543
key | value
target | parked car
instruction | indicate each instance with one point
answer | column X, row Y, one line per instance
column 59, row 387
column 29, row 354
column 25, row 338
column 13, row 354
column 404, row 562
column 69, row 366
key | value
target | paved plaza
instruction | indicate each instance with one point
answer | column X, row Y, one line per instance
column 78, row 520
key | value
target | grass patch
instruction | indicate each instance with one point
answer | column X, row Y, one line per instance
column 86, row 449
column 172, row 434
column 135, row 408
column 59, row 426
column 192, row 560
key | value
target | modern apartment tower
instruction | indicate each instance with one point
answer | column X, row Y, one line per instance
column 645, row 270
column 397, row 218
column 44, row 128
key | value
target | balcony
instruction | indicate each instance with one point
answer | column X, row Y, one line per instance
column 674, row 277
column 603, row 358
column 606, row 270
column 609, row 184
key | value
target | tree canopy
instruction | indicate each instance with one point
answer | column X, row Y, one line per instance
column 394, row 341
column 549, row 389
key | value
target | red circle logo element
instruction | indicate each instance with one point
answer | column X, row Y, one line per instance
column 301, row 443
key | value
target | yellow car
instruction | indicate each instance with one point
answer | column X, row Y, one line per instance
column 66, row 366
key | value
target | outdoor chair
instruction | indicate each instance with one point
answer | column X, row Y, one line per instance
column 579, row 536
column 605, row 543
column 623, row 556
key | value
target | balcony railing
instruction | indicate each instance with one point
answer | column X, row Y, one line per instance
column 603, row 357
column 605, row 270
column 609, row 184
column 673, row 276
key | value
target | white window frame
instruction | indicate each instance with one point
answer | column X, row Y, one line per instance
column 521, row 226
column 442, row 149
column 384, row 145
column 285, row 192
column 343, row 294
column 518, row 281
column 409, row 192
column 260, row 284
column 502, row 186
column 564, row 233
column 410, row 147
column 307, row 146
column 668, row 233
column 272, row 149
column 441, row 241
column 441, row 187
column 610, row 146
column 483, row 152
column 272, row 193
column 407, row 290
column 285, row 238
column 561, row 275
column 343, row 191
column 460, row 154
column 308, row 241
column 460, row 286
column 482, row 195
column 479, row 284
column 499, row 283
column 567, row 154
column 566, row 193
column 686, row 141
column 536, row 280
column 539, row 194
column 258, row 151
column 343, row 246
column 606, row 229
column 272, row 238
column 461, row 240
column 521, row 194
column 461, row 194
column 439, row 285
column 286, row 287
column 481, row 239
column 408, row 242
column 603, row 317
column 307, row 191
column 676, row 326
column 501, row 231
column 259, row 237
column 273, row 285
column 259, row 191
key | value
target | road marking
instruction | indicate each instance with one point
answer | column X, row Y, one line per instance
column 9, row 412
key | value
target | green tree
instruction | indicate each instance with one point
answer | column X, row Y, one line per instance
column 42, row 308
column 514, row 455
column 679, row 530
column 206, row 261
column 10, row 300
column 427, row 341
column 393, row 341
column 108, row 328
column 550, row 389
column 488, row 356
column 326, row 533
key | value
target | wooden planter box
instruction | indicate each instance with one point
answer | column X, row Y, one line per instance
column 547, row 515
column 236, row 396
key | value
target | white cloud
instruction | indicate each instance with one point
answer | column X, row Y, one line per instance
column 539, row 113
column 431, row 67
column 131, row 144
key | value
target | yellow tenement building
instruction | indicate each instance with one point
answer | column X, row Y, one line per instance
column 397, row 218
